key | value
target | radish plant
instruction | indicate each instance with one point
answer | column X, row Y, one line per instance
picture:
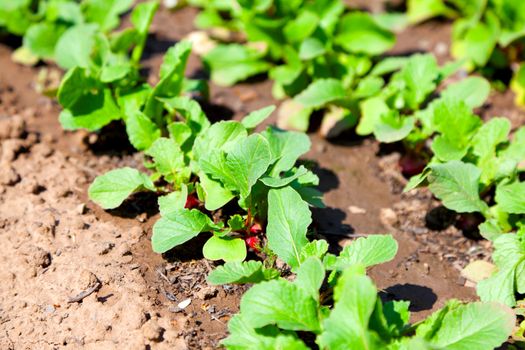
column 59, row 30
column 487, row 35
column 316, row 52
column 220, row 179
column 332, row 303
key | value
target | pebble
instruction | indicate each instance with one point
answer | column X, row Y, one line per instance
column 207, row 293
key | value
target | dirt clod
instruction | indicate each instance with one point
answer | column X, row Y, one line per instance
column 152, row 331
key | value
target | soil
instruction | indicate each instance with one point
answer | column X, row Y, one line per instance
column 75, row 276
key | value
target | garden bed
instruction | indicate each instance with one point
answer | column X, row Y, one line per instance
column 76, row 275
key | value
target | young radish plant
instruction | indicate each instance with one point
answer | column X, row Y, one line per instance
column 59, row 30
column 476, row 170
column 110, row 88
column 316, row 52
column 219, row 179
column 333, row 303
column 486, row 35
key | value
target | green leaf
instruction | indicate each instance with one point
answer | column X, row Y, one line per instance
column 489, row 136
column 112, row 188
column 167, row 157
column 246, row 162
column 241, row 273
column 216, row 196
column 316, row 248
column 367, row 251
column 389, row 65
column 347, row 326
column 288, row 220
column 472, row 90
column 371, row 111
column 41, row 39
column 225, row 248
column 105, row 12
column 311, row 48
column 190, row 109
column 321, row 92
column 456, row 184
column 391, row 127
column 310, row 276
column 243, row 336
column 482, row 326
column 282, row 303
column 256, row 117
column 91, row 111
column 357, row 32
column 286, row 147
column 173, row 201
column 301, row 27
column 141, row 17
column 178, row 227
column 421, row 10
column 419, row 75
column 457, row 125
column 142, row 132
column 221, row 136
column 74, row 85
column 232, row 63
column 511, row 197
column 75, row 46
column 281, row 182
column 509, row 255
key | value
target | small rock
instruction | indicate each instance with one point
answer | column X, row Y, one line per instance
column 86, row 280
column 356, row 210
column 80, row 209
column 136, row 232
column 152, row 331
column 388, row 217
column 78, row 224
column 207, row 293
column 9, row 177
column 39, row 258
column 184, row 304
column 49, row 309
column 124, row 249
column 103, row 248
column 478, row 270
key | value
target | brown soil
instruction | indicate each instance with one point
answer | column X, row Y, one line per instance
column 56, row 247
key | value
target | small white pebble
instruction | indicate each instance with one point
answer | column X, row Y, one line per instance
column 184, row 304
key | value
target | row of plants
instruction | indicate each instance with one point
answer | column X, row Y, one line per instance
column 247, row 190
column 471, row 166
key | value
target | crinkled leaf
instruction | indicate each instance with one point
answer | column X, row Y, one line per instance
column 456, row 184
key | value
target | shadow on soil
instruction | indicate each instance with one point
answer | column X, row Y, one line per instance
column 421, row 298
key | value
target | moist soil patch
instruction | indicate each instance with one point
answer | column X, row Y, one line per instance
column 74, row 275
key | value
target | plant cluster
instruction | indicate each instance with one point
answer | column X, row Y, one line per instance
column 487, row 34
column 316, row 52
column 51, row 28
column 332, row 303
column 224, row 179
